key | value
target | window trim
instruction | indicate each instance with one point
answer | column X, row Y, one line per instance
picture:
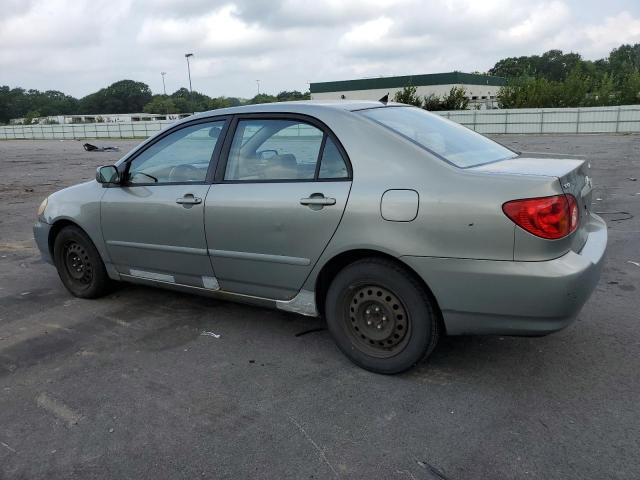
column 221, row 164
column 213, row 160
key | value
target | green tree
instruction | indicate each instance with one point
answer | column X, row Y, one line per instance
column 160, row 104
column 30, row 117
column 456, row 99
column 555, row 65
column 516, row 67
column 219, row 102
column 525, row 92
column 408, row 96
column 604, row 93
column 432, row 103
column 573, row 91
column 552, row 65
column 295, row 95
column 125, row 96
column 624, row 61
column 188, row 102
column 630, row 91
column 262, row 98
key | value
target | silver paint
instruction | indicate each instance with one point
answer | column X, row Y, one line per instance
column 399, row 205
column 260, row 257
column 487, row 274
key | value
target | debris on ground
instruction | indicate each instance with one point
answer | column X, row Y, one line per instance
column 7, row 447
column 637, row 264
column 92, row 148
column 210, row 334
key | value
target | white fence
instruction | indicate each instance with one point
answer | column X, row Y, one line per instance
column 141, row 129
column 621, row 119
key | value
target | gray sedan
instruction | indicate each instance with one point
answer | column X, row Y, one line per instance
column 394, row 224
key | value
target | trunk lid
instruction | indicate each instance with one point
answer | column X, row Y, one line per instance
column 572, row 174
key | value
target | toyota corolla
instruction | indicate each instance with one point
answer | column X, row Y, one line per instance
column 395, row 225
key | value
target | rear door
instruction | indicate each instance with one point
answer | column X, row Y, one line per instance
column 153, row 224
column 279, row 195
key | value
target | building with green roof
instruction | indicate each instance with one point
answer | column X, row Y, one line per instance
column 480, row 89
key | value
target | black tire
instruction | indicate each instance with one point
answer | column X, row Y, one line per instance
column 380, row 316
column 79, row 264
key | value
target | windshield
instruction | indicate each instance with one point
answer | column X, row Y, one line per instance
column 451, row 141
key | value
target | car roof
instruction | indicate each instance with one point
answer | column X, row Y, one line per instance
column 309, row 107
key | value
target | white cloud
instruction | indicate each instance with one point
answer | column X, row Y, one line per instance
column 544, row 20
column 219, row 32
column 82, row 45
column 615, row 30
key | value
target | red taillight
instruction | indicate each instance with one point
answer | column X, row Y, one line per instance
column 547, row 217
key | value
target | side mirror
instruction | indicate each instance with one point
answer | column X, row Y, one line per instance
column 107, row 175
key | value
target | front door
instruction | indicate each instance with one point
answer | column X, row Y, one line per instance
column 153, row 223
column 275, row 206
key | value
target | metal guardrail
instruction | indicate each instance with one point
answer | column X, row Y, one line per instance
column 618, row 119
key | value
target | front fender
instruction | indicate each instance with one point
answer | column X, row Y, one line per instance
column 79, row 204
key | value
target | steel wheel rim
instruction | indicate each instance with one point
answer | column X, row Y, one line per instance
column 376, row 320
column 77, row 263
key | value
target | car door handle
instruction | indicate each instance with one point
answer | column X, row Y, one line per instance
column 189, row 199
column 319, row 200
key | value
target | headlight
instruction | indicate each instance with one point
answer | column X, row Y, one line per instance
column 43, row 207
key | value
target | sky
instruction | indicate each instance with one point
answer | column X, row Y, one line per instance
column 80, row 46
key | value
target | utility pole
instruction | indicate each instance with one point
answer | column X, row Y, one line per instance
column 164, row 88
column 258, row 82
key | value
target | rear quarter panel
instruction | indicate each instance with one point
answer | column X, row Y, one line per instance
column 460, row 211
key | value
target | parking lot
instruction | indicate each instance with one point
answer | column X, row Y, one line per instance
column 133, row 386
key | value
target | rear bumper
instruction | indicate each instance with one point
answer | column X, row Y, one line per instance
column 514, row 298
column 41, row 236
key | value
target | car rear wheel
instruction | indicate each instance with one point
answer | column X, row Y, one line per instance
column 380, row 316
column 79, row 264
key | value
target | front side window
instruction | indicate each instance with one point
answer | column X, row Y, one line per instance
column 273, row 150
column 181, row 157
column 451, row 141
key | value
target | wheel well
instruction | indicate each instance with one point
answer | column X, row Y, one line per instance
column 55, row 229
column 337, row 263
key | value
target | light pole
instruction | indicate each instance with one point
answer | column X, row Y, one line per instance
column 164, row 88
column 187, row 55
column 258, row 82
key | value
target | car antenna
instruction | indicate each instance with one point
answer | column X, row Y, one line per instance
column 384, row 99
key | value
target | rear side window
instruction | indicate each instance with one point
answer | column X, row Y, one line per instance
column 448, row 140
column 273, row 150
column 332, row 164
column 288, row 150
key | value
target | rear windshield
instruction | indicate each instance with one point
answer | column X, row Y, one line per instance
column 452, row 142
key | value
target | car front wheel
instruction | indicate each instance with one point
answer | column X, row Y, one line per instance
column 79, row 264
column 380, row 316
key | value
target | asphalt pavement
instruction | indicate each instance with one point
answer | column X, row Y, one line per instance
column 151, row 384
